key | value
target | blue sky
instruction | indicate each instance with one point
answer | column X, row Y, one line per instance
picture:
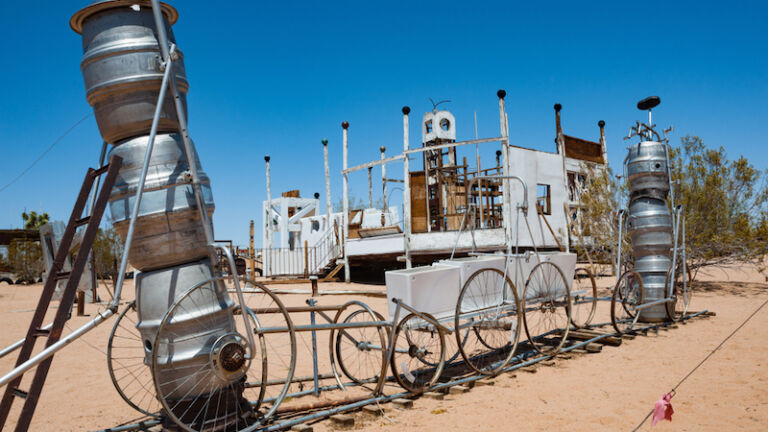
column 277, row 77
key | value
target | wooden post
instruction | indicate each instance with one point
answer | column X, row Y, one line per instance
column 383, row 179
column 370, row 187
column 328, row 208
column 267, row 247
column 80, row 303
column 406, row 191
column 252, row 251
column 506, row 207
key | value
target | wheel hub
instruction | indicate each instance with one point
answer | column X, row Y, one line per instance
column 229, row 356
column 232, row 357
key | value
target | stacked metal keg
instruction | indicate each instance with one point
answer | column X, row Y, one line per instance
column 123, row 69
column 650, row 220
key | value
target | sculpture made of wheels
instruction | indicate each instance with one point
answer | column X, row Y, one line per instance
column 547, row 305
column 418, row 356
column 584, row 293
column 487, row 321
column 361, row 351
column 627, row 296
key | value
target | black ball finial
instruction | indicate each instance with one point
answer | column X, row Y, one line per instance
column 317, row 195
column 558, row 107
column 324, row 141
column 406, row 110
column 345, row 125
column 601, row 124
column 266, row 158
column 382, row 149
column 501, row 94
column 498, row 153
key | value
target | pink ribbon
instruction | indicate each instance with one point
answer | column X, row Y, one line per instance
column 662, row 409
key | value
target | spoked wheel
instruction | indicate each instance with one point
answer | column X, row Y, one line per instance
column 419, row 353
column 209, row 374
column 126, row 363
column 627, row 296
column 361, row 351
column 682, row 293
column 547, row 306
column 276, row 334
column 584, row 293
column 487, row 321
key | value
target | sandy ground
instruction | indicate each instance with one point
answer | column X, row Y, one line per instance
column 612, row 390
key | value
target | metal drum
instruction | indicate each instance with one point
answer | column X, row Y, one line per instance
column 168, row 230
column 647, row 167
column 122, row 67
column 650, row 225
column 203, row 320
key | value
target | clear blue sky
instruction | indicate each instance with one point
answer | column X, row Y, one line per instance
column 277, row 77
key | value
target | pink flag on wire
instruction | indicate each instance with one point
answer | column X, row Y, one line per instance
column 662, row 410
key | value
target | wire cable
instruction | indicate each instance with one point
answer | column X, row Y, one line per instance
column 705, row 359
column 50, row 147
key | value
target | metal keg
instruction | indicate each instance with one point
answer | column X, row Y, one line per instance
column 647, row 168
column 122, row 67
column 201, row 324
column 650, row 225
column 168, row 230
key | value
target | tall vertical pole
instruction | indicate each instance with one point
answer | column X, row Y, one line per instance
column 480, row 183
column 406, row 191
column 328, row 207
column 506, row 208
column 383, row 177
column 561, row 152
column 252, row 250
column 370, row 187
column 604, row 147
column 267, row 248
column 345, row 219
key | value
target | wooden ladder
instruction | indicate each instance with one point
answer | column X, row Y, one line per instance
column 63, row 313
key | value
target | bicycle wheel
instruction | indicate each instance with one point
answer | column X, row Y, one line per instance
column 361, row 351
column 128, row 370
column 487, row 321
column 547, row 307
column 419, row 353
column 584, row 293
column 627, row 296
column 681, row 292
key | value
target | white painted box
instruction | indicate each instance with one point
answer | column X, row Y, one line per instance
column 471, row 264
column 433, row 289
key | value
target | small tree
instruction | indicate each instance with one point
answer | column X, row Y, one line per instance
column 726, row 205
column 26, row 260
column 32, row 220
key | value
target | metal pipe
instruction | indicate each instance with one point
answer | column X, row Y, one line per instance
column 328, row 206
column 51, row 350
column 240, row 298
column 406, row 191
column 370, row 187
column 506, row 205
column 345, row 219
column 311, row 302
column 329, row 326
column 143, row 176
column 181, row 116
column 14, row 346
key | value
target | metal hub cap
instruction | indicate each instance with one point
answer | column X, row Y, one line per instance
column 232, row 357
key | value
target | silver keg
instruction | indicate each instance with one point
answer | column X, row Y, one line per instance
column 168, row 229
column 122, row 67
column 647, row 167
column 650, row 225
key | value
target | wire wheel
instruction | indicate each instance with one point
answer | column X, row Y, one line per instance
column 126, row 362
column 208, row 375
column 584, row 293
column 487, row 321
column 627, row 296
column 275, row 331
column 418, row 356
column 681, row 292
column 361, row 351
column 547, row 306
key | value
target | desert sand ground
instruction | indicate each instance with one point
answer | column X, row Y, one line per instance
column 611, row 391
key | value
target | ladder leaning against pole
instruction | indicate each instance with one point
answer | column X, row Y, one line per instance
column 53, row 334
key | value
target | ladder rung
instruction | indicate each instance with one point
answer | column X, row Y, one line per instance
column 100, row 171
column 83, row 221
column 42, row 332
column 62, row 275
column 19, row 393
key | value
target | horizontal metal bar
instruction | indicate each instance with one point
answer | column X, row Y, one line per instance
column 373, row 164
column 14, row 346
column 453, row 144
column 654, row 303
column 424, row 317
column 334, row 326
column 279, row 381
